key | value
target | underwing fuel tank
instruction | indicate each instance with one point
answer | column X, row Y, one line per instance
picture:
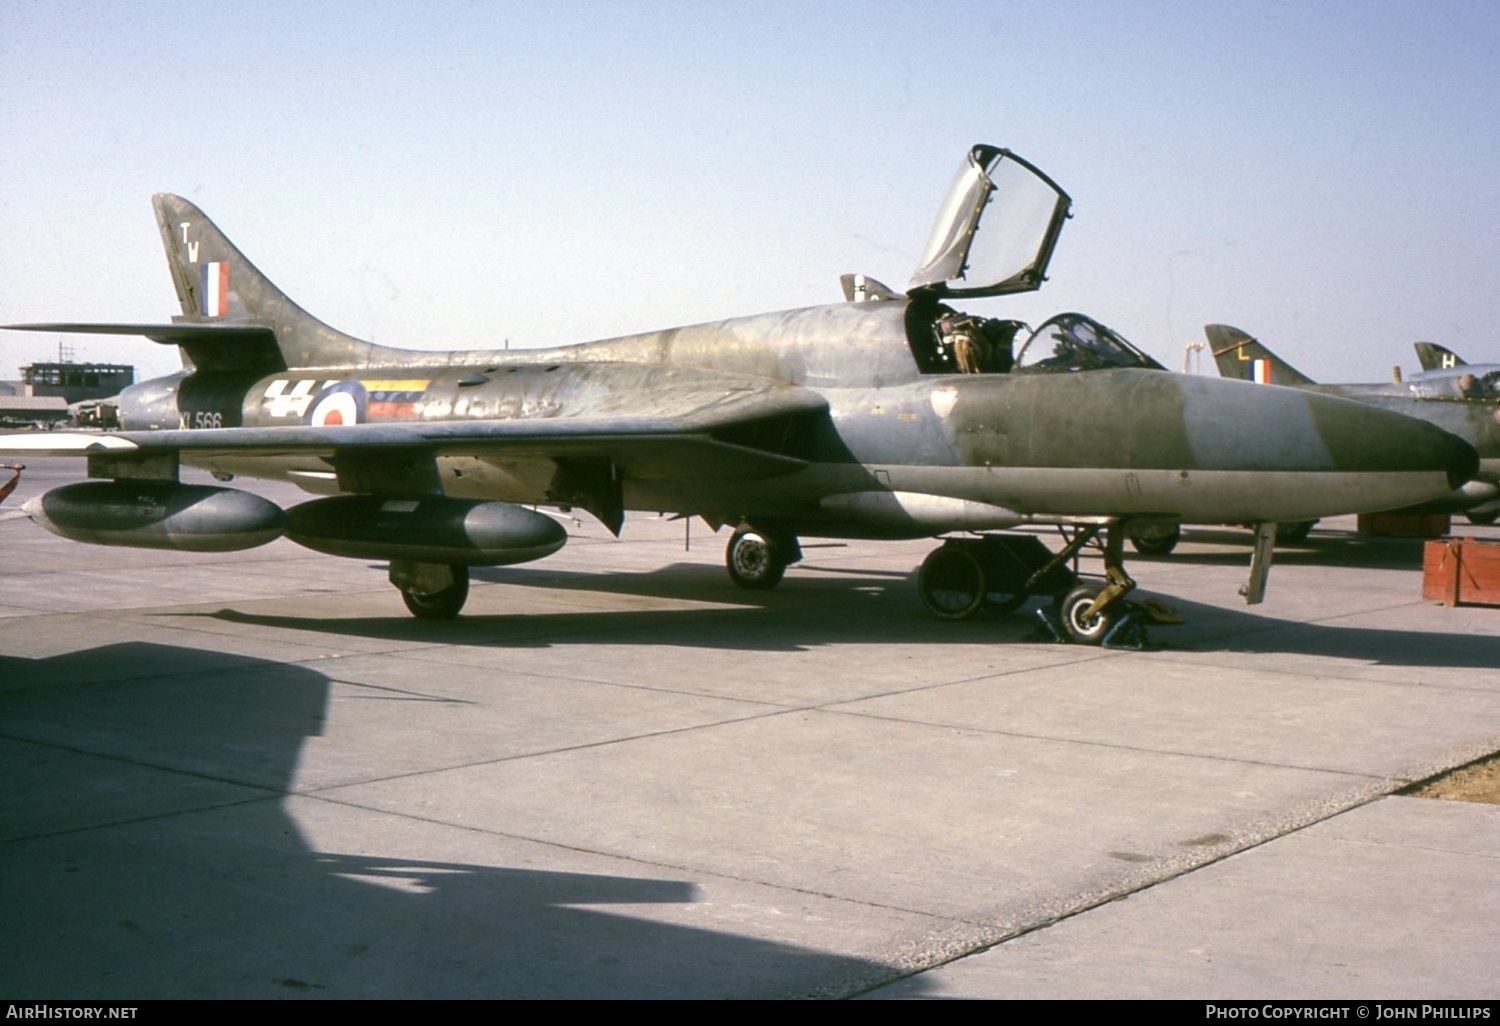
column 158, row 515
column 435, row 530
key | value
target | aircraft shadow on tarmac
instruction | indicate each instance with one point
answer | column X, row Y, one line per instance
column 680, row 581
column 1235, row 630
column 148, row 852
column 812, row 611
column 1332, row 548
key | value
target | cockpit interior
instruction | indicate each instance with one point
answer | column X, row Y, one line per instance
column 945, row 341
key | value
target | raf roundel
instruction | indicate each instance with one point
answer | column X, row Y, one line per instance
column 343, row 403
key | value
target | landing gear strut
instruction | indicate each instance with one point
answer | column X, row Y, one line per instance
column 431, row 591
column 1090, row 613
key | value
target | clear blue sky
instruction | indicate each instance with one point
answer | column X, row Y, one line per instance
column 1325, row 175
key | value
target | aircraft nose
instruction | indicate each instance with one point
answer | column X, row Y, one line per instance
column 1364, row 437
column 1324, row 454
column 1367, row 437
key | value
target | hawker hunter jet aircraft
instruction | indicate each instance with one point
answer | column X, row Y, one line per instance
column 890, row 415
column 1445, row 370
column 1462, row 400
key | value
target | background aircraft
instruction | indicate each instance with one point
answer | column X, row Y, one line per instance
column 1445, row 373
column 1462, row 400
column 1435, row 357
column 887, row 416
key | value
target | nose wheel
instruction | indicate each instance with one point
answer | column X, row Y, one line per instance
column 1084, row 621
column 1093, row 614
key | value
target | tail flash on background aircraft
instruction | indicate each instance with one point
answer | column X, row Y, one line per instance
column 1240, row 356
column 1435, row 357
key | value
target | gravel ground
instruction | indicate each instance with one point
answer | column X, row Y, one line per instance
column 1477, row 782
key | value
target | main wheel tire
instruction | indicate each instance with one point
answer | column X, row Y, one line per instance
column 1294, row 532
column 1155, row 542
column 754, row 560
column 1080, row 630
column 1482, row 519
column 439, row 605
column 951, row 583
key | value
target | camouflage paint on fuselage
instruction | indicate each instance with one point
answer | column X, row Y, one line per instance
column 1101, row 442
column 1468, row 409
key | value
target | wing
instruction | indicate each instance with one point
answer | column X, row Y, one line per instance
column 718, row 427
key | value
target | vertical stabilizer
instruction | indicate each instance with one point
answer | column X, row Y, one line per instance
column 1240, row 356
column 1435, row 357
column 217, row 285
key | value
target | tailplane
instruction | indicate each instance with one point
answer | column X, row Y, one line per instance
column 1238, row 355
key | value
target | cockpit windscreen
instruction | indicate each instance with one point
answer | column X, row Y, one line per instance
column 1075, row 342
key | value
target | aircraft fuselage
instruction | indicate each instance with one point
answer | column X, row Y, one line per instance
column 897, row 453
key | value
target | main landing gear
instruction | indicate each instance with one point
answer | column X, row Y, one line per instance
column 1160, row 540
column 994, row 572
column 758, row 559
column 1155, row 540
column 1000, row 572
column 431, row 591
column 1294, row 532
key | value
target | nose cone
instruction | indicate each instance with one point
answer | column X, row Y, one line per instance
column 1366, row 438
column 1327, row 455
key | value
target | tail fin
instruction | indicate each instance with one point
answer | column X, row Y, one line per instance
column 1240, row 356
column 217, row 286
column 1435, row 357
column 233, row 318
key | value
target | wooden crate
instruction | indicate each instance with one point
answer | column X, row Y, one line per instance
column 1461, row 570
column 1404, row 525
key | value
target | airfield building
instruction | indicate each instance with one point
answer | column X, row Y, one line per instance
column 45, row 392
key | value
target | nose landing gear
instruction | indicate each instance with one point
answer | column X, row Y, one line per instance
column 1001, row 571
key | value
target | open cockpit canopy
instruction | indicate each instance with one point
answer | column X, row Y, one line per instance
column 995, row 231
